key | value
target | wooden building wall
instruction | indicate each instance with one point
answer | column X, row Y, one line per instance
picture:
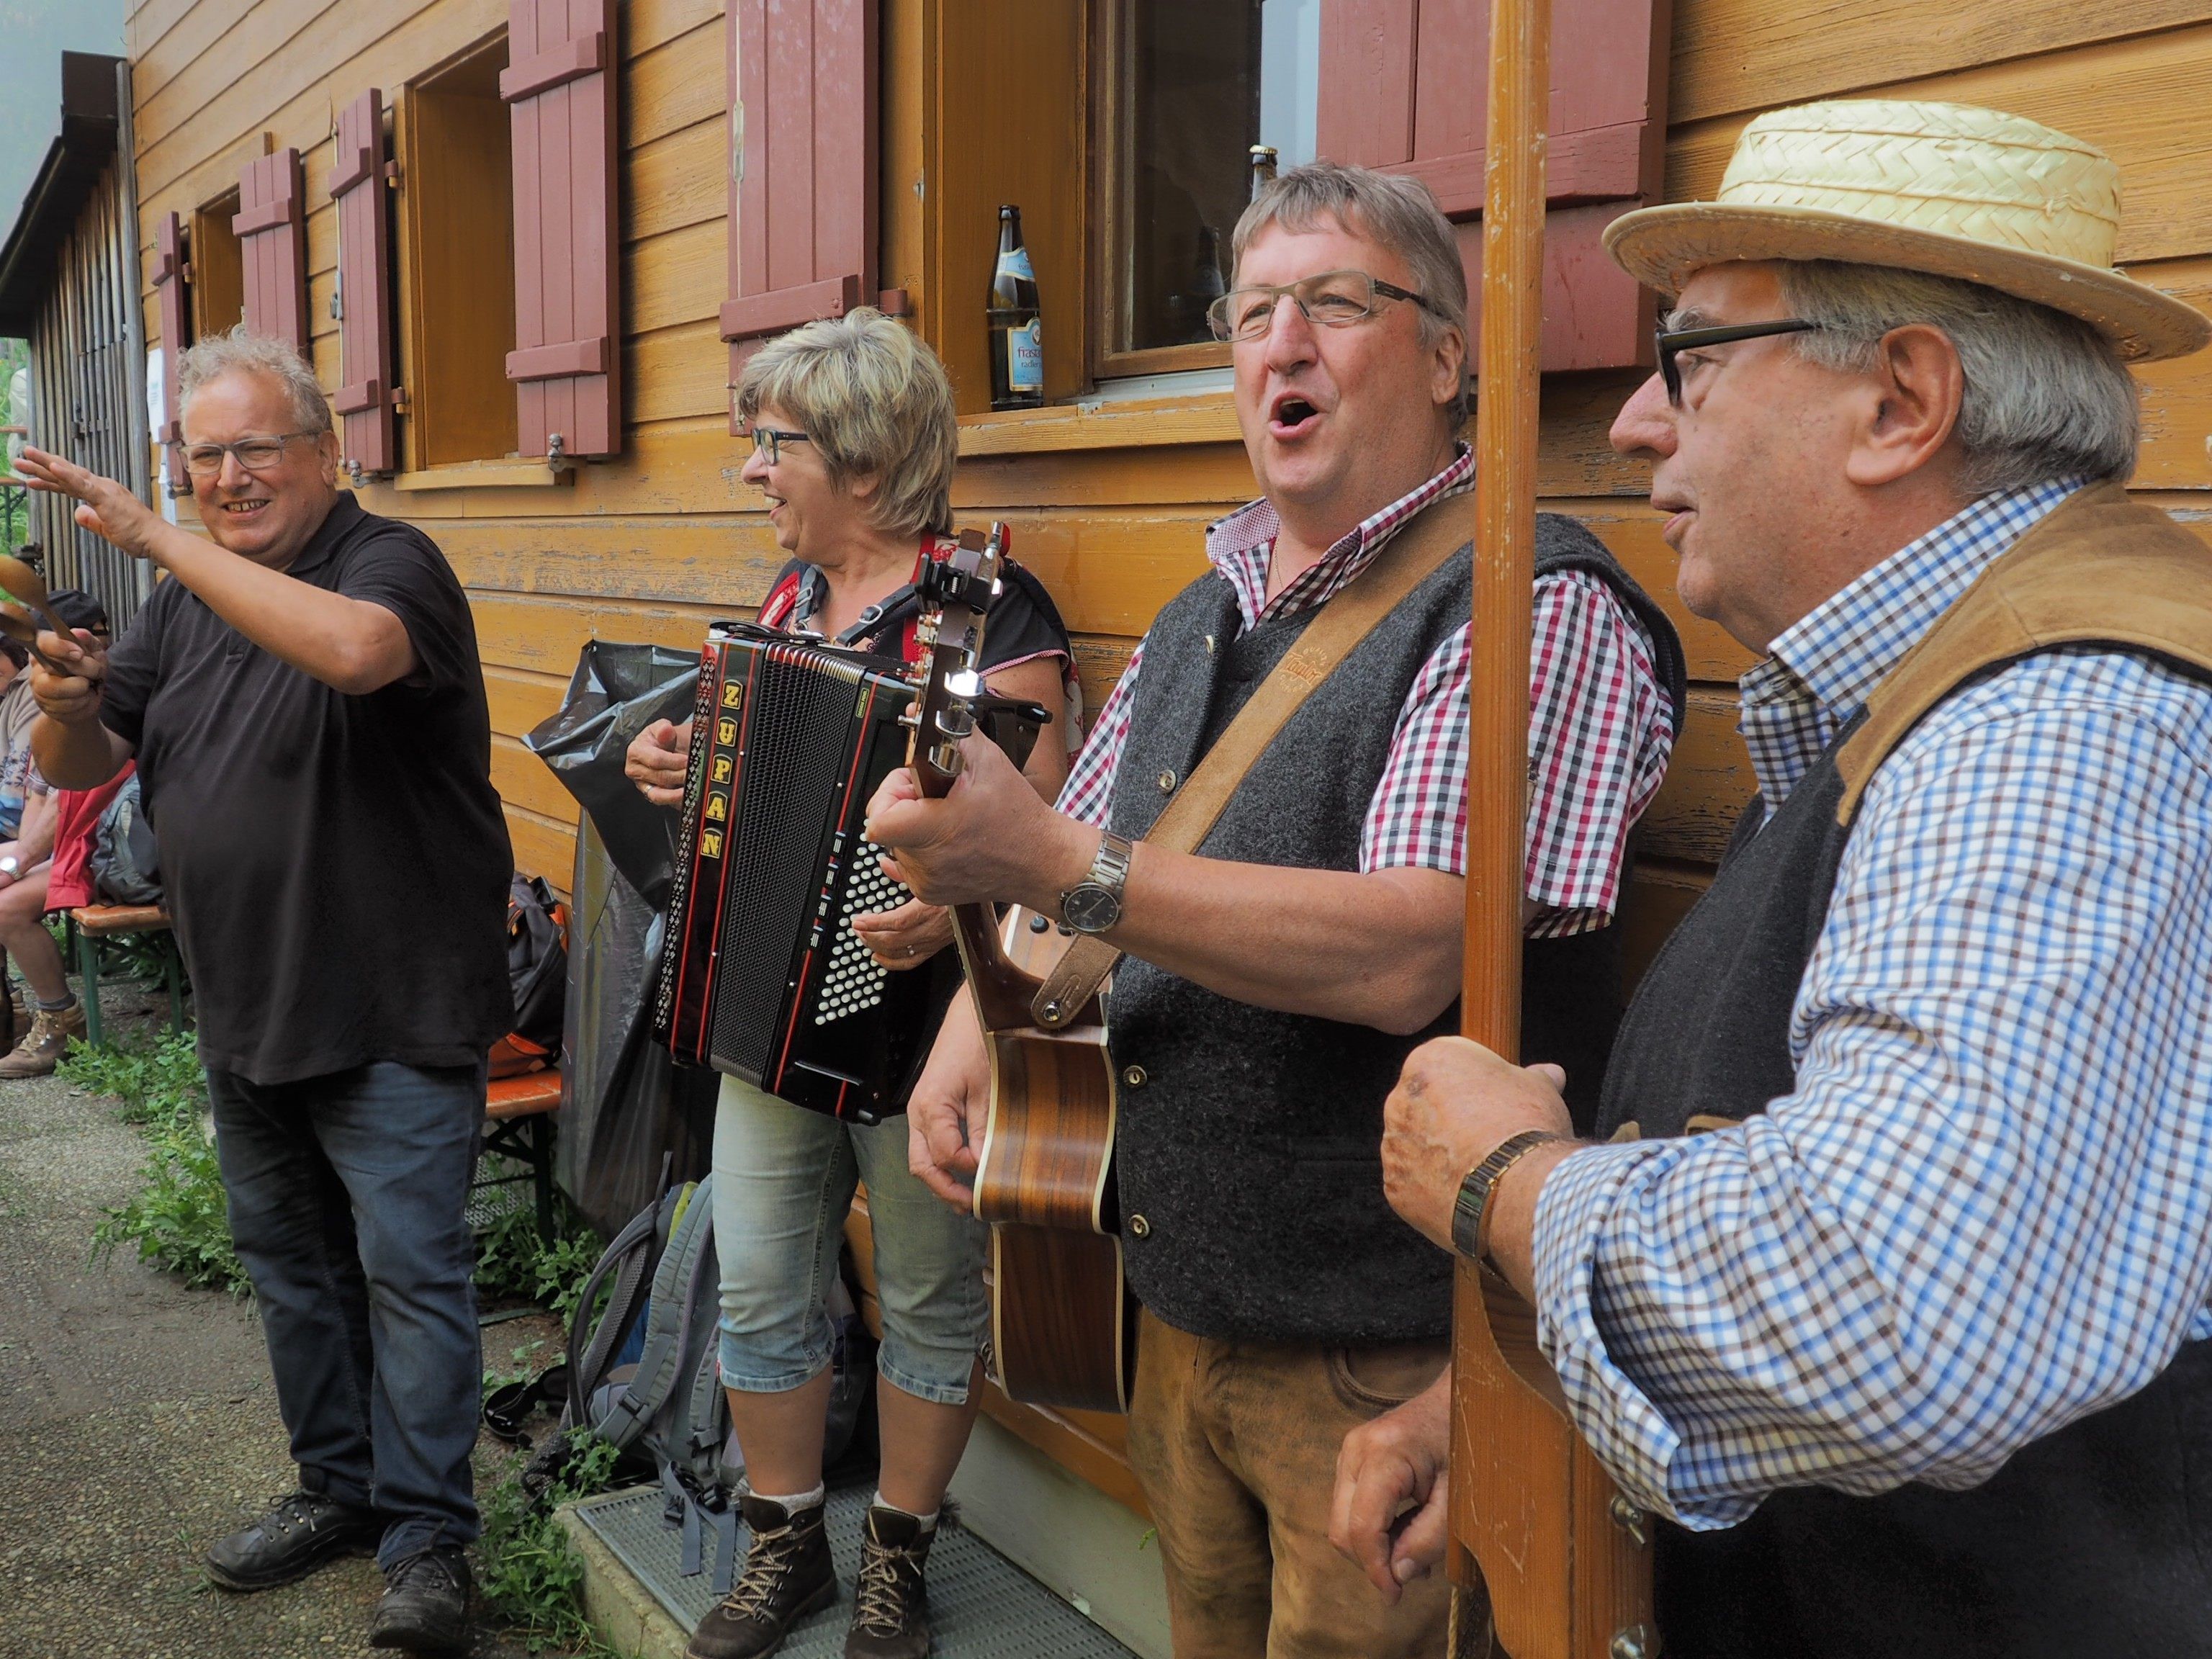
column 1108, row 504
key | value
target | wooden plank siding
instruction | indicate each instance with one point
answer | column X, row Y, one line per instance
column 1109, row 506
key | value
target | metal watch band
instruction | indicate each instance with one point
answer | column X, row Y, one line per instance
column 1093, row 905
column 1471, row 1213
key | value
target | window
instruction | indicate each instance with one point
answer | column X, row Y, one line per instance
column 218, row 274
column 457, row 222
column 1191, row 86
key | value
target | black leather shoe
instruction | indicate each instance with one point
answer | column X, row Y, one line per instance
column 300, row 1533
column 788, row 1574
column 425, row 1605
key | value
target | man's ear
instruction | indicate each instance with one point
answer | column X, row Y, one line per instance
column 1448, row 368
column 1918, row 387
column 328, row 448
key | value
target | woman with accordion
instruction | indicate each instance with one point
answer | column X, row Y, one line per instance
column 854, row 446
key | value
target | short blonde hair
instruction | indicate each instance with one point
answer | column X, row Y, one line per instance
column 875, row 403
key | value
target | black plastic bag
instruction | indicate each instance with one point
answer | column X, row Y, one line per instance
column 617, row 691
column 625, row 1103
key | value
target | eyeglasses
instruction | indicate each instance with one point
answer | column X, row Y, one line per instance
column 254, row 454
column 767, row 441
column 1672, row 344
column 1334, row 299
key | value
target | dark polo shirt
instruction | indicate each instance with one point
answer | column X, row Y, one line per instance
column 337, row 865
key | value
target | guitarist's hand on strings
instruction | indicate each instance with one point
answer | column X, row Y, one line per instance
column 953, row 1091
column 1388, row 1516
column 992, row 838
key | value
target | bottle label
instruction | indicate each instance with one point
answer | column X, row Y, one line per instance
column 1025, row 357
column 1016, row 262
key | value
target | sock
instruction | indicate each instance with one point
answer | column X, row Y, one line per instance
column 927, row 1521
column 796, row 1502
column 69, row 1001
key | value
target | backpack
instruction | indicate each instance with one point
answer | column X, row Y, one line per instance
column 125, row 865
column 666, row 1406
column 537, row 972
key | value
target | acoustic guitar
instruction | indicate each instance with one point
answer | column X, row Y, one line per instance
column 1063, row 1323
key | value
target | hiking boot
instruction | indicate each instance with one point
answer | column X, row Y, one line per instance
column 300, row 1533
column 425, row 1605
column 788, row 1574
column 891, row 1605
column 47, row 1041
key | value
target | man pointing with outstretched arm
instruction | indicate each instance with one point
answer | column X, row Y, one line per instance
column 303, row 699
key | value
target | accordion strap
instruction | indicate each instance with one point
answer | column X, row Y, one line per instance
column 1411, row 556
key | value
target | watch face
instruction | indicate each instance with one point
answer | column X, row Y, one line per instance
column 1089, row 907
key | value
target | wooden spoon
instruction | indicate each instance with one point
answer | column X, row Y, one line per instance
column 20, row 628
column 27, row 585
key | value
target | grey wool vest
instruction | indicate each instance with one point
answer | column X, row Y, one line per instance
column 1248, row 1156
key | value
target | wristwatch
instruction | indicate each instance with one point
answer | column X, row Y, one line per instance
column 1094, row 904
column 1471, row 1214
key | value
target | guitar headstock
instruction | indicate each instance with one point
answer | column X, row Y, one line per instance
column 956, row 594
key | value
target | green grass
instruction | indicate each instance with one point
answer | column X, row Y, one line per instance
column 529, row 1573
column 177, row 1220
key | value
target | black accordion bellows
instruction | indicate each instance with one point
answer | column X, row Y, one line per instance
column 762, row 975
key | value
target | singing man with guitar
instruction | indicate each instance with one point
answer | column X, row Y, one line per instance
column 1279, row 972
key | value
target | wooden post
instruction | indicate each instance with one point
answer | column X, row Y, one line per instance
column 1530, row 1506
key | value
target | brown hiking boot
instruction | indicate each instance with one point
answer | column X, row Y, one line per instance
column 47, row 1041
column 788, row 1574
column 891, row 1605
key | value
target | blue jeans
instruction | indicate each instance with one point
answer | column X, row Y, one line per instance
column 783, row 1181
column 349, row 1203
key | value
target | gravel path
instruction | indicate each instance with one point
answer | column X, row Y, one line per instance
column 138, row 1423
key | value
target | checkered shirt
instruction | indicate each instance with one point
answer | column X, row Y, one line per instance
column 1600, row 731
column 1983, row 1212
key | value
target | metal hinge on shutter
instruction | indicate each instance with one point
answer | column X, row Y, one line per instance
column 738, row 143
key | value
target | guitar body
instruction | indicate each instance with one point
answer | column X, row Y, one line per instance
column 1062, row 1319
column 1063, row 1322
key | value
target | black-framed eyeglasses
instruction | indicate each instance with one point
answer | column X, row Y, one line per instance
column 254, row 454
column 1334, row 299
column 769, row 442
column 1675, row 342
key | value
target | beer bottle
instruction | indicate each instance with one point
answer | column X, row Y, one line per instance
column 1016, row 336
column 1263, row 168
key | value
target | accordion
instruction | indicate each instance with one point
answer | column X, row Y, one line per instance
column 762, row 975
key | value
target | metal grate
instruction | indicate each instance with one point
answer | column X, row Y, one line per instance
column 980, row 1604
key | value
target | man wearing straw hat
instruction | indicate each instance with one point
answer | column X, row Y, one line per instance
column 1910, row 1343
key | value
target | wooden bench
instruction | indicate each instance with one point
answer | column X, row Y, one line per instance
column 93, row 927
column 517, row 1124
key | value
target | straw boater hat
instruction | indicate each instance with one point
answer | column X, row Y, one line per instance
column 1941, row 188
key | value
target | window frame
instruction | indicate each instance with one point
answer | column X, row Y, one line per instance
column 1113, row 50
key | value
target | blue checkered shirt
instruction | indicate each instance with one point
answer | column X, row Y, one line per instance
column 1984, row 1212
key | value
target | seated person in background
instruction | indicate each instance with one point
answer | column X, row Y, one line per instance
column 49, row 1016
column 854, row 446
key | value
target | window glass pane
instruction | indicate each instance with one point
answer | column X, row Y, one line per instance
column 1207, row 79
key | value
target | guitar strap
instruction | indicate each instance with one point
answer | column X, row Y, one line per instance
column 1415, row 553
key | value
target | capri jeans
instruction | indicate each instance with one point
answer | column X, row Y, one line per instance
column 784, row 1178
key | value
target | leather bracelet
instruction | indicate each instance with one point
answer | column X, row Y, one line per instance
column 1471, row 1213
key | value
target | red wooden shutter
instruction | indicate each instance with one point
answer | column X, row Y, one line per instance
column 566, row 363
column 272, row 248
column 169, row 290
column 1404, row 88
column 363, row 399
column 802, row 167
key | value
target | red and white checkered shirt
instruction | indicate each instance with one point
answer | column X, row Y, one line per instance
column 1601, row 726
